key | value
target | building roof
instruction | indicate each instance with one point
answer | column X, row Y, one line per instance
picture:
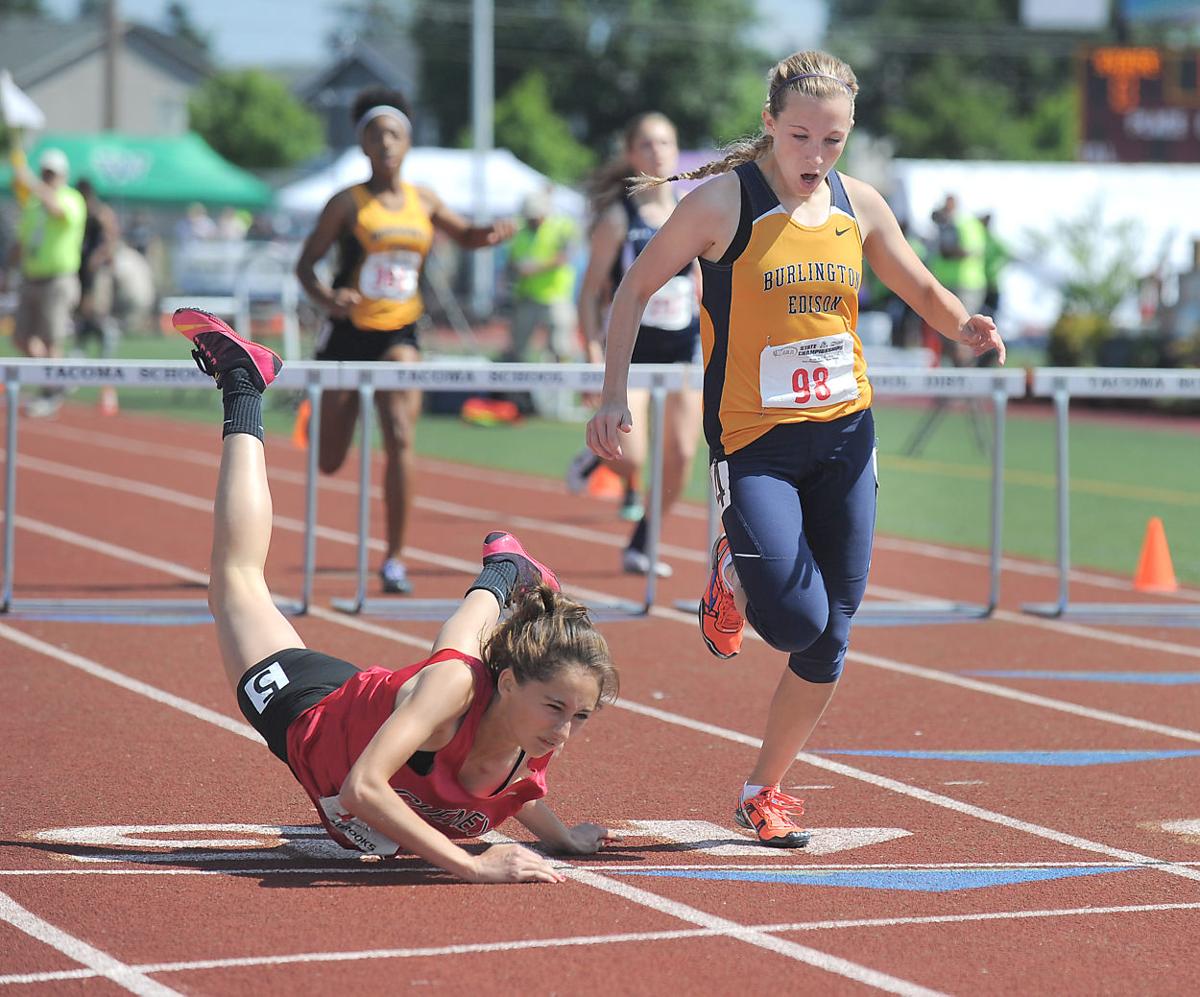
column 35, row 48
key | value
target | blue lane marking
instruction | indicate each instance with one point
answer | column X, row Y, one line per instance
column 912, row 880
column 1095, row 757
column 149, row 620
column 1119, row 678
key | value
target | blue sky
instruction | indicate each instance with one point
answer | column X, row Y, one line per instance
column 248, row 32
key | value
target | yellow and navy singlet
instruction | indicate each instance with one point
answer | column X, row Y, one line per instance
column 779, row 317
column 381, row 257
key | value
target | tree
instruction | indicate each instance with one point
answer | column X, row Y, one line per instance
column 603, row 61
column 22, row 8
column 527, row 125
column 179, row 24
column 959, row 81
column 251, row 119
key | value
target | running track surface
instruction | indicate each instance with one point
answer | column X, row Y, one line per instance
column 1011, row 833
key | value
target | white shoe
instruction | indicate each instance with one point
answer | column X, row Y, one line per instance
column 637, row 562
column 581, row 467
column 43, row 406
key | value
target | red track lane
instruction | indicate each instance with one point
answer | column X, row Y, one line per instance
column 122, row 759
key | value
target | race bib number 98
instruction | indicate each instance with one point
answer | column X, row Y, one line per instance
column 808, row 374
column 393, row 276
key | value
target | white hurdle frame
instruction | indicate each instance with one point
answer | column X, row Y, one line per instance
column 126, row 374
column 922, row 382
column 1061, row 384
column 488, row 377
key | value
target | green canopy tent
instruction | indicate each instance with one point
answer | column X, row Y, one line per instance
column 159, row 171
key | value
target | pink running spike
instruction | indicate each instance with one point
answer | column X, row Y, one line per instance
column 219, row 349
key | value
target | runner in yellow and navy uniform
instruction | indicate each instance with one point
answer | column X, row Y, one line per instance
column 383, row 230
column 781, row 238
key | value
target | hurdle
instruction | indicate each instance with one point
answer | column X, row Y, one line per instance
column 1061, row 384
column 131, row 374
column 943, row 383
column 487, row 377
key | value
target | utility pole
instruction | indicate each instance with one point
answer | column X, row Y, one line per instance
column 482, row 123
column 112, row 45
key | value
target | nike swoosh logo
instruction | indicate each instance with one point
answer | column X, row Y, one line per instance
column 841, row 231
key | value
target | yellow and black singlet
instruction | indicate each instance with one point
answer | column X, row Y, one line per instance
column 779, row 317
column 381, row 257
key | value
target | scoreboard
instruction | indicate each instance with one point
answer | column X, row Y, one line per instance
column 1140, row 105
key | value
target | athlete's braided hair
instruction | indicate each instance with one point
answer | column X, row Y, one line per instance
column 812, row 73
column 546, row 633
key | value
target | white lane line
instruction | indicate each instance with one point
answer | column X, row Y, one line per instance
column 917, row 793
column 286, row 865
column 678, row 720
column 608, row 539
column 683, row 509
column 1008, row 915
column 753, row 936
column 355, row 623
column 101, row 963
column 100, row 671
column 662, row 612
column 579, row 940
column 1017, row 695
column 244, row 730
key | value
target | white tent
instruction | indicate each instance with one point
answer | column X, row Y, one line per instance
column 446, row 171
column 1036, row 197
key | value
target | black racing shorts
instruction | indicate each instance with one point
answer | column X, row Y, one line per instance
column 340, row 339
column 667, row 345
column 279, row 688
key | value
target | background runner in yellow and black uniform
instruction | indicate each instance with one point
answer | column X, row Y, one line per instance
column 383, row 230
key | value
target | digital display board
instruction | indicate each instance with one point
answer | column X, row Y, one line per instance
column 1140, row 105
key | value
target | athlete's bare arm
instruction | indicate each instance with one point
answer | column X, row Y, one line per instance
column 595, row 289
column 425, row 719
column 335, row 218
column 582, row 839
column 702, row 224
column 459, row 229
column 899, row 267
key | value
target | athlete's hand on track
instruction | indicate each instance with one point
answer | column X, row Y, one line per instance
column 514, row 864
column 344, row 298
column 980, row 335
column 604, row 429
column 586, row 839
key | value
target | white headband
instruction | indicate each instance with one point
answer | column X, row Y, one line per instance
column 378, row 111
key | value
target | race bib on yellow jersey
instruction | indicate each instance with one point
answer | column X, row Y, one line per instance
column 391, row 276
column 364, row 837
column 808, row 374
column 672, row 306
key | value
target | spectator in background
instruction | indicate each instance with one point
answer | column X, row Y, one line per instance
column 957, row 264
column 94, row 319
column 196, row 224
column 995, row 258
column 232, row 225
column 49, row 248
column 543, row 281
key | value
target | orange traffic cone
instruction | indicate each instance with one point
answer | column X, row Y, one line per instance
column 604, row 482
column 1155, row 572
column 300, row 426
